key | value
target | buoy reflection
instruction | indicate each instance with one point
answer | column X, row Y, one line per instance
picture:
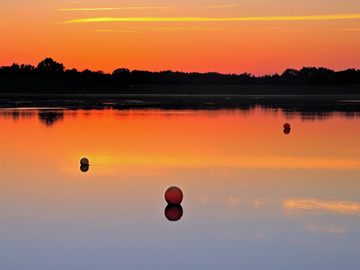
column 173, row 212
column 287, row 128
column 286, row 131
column 84, row 168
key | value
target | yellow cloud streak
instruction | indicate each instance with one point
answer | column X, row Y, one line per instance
column 180, row 28
column 158, row 29
column 223, row 6
column 204, row 19
column 129, row 8
column 113, row 8
column 116, row 31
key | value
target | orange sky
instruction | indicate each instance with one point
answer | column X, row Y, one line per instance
column 260, row 37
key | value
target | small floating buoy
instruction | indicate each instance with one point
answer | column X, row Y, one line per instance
column 286, row 131
column 286, row 126
column 84, row 162
column 173, row 195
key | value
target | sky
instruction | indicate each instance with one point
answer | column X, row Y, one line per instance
column 255, row 36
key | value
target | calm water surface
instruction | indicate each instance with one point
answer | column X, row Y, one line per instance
column 254, row 197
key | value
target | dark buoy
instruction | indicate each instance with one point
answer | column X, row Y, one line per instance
column 173, row 212
column 84, row 168
column 84, row 162
column 286, row 126
column 286, row 131
column 173, row 195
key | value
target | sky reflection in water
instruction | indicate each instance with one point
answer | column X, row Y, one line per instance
column 254, row 197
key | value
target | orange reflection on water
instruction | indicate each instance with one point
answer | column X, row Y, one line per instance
column 342, row 207
column 261, row 162
column 194, row 139
column 325, row 228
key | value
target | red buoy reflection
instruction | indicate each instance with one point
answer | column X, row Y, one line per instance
column 286, row 131
column 173, row 212
column 84, row 168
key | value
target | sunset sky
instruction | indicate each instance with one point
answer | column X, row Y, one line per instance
column 255, row 36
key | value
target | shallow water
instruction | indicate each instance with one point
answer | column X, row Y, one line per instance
column 254, row 197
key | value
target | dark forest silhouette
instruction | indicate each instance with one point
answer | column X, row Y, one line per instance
column 50, row 75
column 49, row 117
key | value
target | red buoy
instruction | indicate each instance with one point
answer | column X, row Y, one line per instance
column 286, row 131
column 286, row 126
column 173, row 195
column 173, row 212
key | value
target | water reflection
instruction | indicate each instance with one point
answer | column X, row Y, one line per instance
column 311, row 204
column 17, row 114
column 286, row 131
column 173, row 212
column 50, row 117
column 306, row 108
column 325, row 228
column 84, row 168
column 250, row 196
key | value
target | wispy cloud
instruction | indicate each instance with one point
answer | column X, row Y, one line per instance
column 181, row 28
column 138, row 29
column 129, row 8
column 209, row 19
column 222, row 6
column 110, row 8
column 116, row 31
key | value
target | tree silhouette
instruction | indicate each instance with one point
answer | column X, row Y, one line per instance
column 52, row 75
column 50, row 117
column 48, row 65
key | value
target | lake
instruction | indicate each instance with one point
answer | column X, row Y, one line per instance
column 255, row 196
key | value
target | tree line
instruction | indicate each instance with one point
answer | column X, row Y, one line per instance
column 50, row 70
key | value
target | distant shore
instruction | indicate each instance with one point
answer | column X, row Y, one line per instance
column 51, row 77
column 50, row 85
